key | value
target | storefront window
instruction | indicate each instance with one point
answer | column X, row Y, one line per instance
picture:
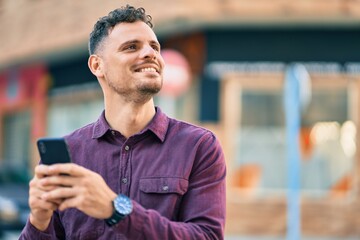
column 16, row 139
column 327, row 135
column 72, row 108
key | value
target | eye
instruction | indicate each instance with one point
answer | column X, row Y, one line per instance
column 130, row 47
column 156, row 47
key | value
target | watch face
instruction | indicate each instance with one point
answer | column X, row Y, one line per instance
column 123, row 204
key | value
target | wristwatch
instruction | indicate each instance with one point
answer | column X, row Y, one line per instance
column 122, row 208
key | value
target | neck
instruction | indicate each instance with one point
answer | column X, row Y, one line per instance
column 129, row 118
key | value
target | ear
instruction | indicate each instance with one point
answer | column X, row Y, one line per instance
column 95, row 65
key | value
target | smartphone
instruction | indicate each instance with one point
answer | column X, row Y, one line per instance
column 53, row 150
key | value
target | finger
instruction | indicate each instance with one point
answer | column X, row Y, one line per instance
column 48, row 188
column 57, row 202
column 68, row 169
column 38, row 203
column 58, row 180
column 36, row 189
column 59, row 193
column 41, row 171
column 70, row 203
column 36, row 193
column 36, row 184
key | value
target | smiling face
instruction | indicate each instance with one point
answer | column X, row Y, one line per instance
column 128, row 62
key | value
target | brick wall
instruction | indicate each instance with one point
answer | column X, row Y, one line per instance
column 36, row 28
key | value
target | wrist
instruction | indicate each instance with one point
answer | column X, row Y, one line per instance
column 122, row 207
column 40, row 225
column 110, row 209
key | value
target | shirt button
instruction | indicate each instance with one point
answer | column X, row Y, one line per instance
column 124, row 180
column 165, row 188
column 113, row 133
column 127, row 148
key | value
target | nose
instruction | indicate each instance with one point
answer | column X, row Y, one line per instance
column 149, row 52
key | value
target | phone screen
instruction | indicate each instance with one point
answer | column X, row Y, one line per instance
column 53, row 150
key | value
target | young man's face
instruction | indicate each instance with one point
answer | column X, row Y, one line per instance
column 132, row 64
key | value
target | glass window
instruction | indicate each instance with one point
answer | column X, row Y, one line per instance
column 16, row 146
column 327, row 141
column 65, row 118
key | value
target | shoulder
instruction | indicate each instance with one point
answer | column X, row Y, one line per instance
column 191, row 131
column 202, row 144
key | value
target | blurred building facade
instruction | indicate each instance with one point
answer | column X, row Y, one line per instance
column 238, row 51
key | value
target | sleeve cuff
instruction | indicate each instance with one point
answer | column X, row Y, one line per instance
column 31, row 232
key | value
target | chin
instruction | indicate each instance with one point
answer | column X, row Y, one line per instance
column 151, row 88
column 150, row 91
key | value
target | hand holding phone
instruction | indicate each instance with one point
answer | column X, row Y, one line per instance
column 53, row 150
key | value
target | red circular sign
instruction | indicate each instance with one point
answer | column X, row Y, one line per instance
column 177, row 74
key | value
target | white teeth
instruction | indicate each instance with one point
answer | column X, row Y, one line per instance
column 148, row 70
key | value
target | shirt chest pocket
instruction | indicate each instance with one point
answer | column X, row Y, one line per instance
column 163, row 194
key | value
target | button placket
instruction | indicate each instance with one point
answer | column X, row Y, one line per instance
column 125, row 180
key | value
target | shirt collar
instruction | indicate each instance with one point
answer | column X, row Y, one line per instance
column 158, row 125
column 101, row 126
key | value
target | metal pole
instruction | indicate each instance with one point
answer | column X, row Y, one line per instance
column 296, row 84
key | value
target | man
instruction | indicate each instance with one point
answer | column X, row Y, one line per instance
column 136, row 173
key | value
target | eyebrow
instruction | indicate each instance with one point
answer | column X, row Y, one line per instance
column 136, row 42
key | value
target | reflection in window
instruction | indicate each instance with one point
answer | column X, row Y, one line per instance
column 65, row 118
column 327, row 143
column 16, row 139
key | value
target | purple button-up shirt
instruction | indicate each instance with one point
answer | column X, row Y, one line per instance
column 174, row 173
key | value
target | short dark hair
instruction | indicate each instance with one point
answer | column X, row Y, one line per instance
column 103, row 26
